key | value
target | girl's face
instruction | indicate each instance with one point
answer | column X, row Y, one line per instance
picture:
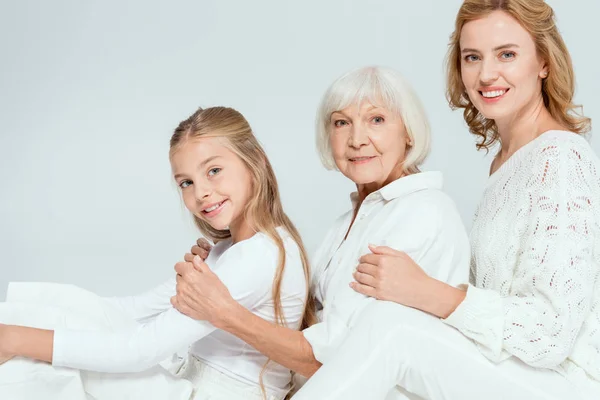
column 501, row 70
column 215, row 183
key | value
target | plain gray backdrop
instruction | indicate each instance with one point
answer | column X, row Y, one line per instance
column 90, row 92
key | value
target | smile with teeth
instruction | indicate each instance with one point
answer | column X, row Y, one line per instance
column 494, row 93
column 213, row 208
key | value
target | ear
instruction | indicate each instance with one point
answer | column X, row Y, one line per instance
column 544, row 72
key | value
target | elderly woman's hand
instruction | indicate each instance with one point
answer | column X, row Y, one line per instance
column 200, row 293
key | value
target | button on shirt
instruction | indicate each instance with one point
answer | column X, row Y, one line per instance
column 411, row 214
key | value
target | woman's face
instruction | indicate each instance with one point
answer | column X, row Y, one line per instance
column 500, row 66
column 368, row 143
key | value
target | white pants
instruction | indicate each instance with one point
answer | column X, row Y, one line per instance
column 395, row 345
column 211, row 384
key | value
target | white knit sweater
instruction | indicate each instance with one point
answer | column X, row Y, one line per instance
column 535, row 286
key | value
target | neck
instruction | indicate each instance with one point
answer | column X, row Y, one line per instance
column 366, row 189
column 521, row 128
column 241, row 229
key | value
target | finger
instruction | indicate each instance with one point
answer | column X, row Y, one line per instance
column 199, row 251
column 204, row 244
column 365, row 279
column 369, row 269
column 384, row 250
column 189, row 257
column 183, row 268
column 373, row 259
column 200, row 265
column 363, row 289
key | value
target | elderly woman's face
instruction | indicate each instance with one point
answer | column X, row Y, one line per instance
column 368, row 144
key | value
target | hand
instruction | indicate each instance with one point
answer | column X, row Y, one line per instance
column 201, row 249
column 200, row 293
column 388, row 274
column 4, row 354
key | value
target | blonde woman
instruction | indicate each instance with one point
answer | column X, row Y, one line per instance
column 228, row 185
column 528, row 324
column 372, row 128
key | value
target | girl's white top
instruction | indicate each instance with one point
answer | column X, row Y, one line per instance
column 411, row 214
column 535, row 287
column 247, row 268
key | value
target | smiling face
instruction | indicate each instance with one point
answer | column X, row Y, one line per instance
column 215, row 183
column 500, row 66
column 368, row 144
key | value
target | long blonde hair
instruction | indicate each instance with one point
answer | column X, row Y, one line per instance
column 558, row 87
column 264, row 208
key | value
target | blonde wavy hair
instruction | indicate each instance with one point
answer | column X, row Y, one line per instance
column 558, row 87
column 264, row 208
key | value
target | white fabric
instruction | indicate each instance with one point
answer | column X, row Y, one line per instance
column 392, row 344
column 50, row 306
column 411, row 214
column 247, row 268
column 215, row 385
column 536, row 259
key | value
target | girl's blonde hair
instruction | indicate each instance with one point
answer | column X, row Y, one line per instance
column 264, row 208
column 558, row 88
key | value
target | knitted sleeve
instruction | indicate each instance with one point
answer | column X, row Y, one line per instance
column 551, row 292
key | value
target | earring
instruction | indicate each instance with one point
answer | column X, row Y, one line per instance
column 544, row 74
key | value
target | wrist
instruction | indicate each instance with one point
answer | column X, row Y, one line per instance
column 229, row 315
column 442, row 298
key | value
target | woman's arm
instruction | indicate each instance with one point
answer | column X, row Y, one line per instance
column 203, row 296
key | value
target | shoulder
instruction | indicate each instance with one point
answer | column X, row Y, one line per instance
column 562, row 157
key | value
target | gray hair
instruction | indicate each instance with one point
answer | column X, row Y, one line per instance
column 385, row 88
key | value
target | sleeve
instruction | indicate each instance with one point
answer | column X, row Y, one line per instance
column 148, row 304
column 247, row 269
column 552, row 288
column 425, row 235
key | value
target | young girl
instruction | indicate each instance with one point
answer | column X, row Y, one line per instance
column 229, row 186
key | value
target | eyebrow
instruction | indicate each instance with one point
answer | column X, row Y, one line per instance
column 344, row 114
column 203, row 163
column 502, row 47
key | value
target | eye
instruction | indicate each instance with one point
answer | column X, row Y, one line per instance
column 184, row 184
column 340, row 122
column 378, row 120
column 471, row 58
column 213, row 171
column 507, row 55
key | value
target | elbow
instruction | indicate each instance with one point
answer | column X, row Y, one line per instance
column 551, row 356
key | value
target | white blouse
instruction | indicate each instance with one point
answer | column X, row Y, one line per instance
column 411, row 214
column 247, row 268
column 535, row 290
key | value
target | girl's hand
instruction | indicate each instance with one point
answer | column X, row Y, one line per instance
column 201, row 249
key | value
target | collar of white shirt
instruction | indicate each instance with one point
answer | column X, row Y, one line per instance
column 404, row 186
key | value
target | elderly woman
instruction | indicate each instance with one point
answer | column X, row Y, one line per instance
column 372, row 128
column 528, row 324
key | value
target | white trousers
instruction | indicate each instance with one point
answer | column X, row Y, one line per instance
column 395, row 345
column 211, row 384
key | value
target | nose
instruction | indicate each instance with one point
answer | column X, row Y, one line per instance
column 489, row 71
column 202, row 190
column 358, row 136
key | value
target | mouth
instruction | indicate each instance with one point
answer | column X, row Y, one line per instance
column 493, row 95
column 360, row 160
column 213, row 209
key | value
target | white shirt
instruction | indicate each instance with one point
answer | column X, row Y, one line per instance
column 411, row 214
column 536, row 259
column 247, row 268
